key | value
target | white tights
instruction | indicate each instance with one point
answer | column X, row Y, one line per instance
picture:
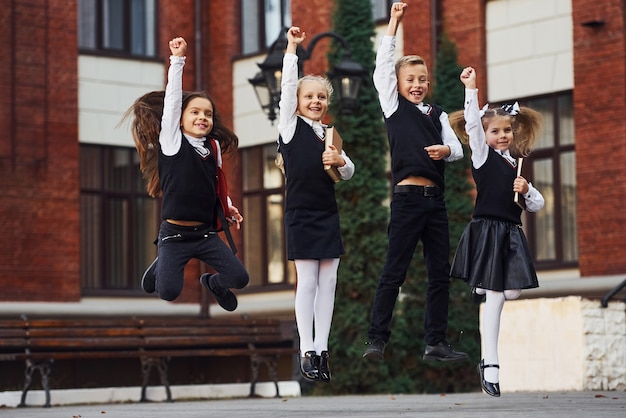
column 491, row 328
column 315, row 301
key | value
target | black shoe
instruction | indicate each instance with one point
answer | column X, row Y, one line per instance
column 309, row 365
column 375, row 350
column 324, row 371
column 443, row 352
column 222, row 295
column 491, row 389
column 477, row 298
column 148, row 280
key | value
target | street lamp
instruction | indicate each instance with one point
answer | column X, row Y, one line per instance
column 345, row 77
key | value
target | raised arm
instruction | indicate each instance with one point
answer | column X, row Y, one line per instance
column 170, row 137
column 473, row 124
column 395, row 17
column 289, row 86
column 385, row 79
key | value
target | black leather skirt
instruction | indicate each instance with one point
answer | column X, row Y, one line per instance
column 494, row 255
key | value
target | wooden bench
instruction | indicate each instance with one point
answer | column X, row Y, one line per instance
column 153, row 340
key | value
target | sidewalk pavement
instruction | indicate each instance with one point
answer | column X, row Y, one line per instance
column 510, row 405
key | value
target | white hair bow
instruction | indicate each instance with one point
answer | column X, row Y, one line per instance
column 483, row 110
column 511, row 109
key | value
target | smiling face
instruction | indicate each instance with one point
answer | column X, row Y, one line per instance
column 313, row 98
column 197, row 118
column 498, row 132
column 413, row 82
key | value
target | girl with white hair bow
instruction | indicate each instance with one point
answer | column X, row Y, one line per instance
column 493, row 255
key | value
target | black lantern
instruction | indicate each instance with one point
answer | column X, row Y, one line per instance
column 263, row 95
column 345, row 77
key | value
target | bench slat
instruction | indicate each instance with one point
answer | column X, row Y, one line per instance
column 149, row 353
column 86, row 332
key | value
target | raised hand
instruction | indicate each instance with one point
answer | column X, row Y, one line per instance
column 178, row 47
column 398, row 9
column 468, row 77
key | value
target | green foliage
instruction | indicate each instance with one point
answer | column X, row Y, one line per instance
column 364, row 214
column 363, row 207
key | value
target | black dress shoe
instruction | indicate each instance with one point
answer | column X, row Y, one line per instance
column 148, row 280
column 375, row 350
column 224, row 297
column 477, row 298
column 324, row 371
column 443, row 352
column 309, row 365
column 491, row 389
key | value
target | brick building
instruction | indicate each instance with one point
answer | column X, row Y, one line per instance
column 79, row 225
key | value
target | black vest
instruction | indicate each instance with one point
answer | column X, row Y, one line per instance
column 188, row 182
column 308, row 186
column 409, row 131
column 494, row 183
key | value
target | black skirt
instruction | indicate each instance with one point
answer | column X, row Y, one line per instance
column 312, row 235
column 494, row 255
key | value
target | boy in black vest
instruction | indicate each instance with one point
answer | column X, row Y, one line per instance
column 420, row 140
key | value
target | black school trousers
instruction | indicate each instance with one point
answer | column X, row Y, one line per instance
column 179, row 244
column 415, row 217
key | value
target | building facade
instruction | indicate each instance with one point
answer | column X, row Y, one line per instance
column 80, row 225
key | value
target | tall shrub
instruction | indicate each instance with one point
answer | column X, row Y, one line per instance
column 364, row 210
column 362, row 207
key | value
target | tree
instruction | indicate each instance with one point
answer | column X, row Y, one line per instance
column 362, row 207
column 364, row 212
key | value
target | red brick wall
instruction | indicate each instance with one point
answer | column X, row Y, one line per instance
column 418, row 34
column 464, row 23
column 314, row 17
column 600, row 123
column 39, row 253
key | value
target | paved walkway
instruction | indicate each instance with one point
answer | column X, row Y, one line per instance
column 511, row 405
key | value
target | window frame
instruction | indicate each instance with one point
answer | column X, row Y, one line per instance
column 385, row 5
column 105, row 235
column 126, row 29
column 262, row 193
column 262, row 42
column 553, row 154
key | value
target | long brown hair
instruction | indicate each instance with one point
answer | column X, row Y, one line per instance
column 146, row 126
column 526, row 127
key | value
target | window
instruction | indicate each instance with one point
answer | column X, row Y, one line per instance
column 119, row 221
column 261, row 23
column 264, row 236
column 380, row 9
column 552, row 230
column 118, row 27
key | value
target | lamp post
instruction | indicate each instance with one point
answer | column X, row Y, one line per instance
column 345, row 76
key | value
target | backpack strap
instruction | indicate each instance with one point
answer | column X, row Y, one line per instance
column 226, row 227
column 222, row 198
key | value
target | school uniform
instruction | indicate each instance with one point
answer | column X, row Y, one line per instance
column 418, row 213
column 311, row 224
column 187, row 175
column 493, row 251
column 311, row 216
